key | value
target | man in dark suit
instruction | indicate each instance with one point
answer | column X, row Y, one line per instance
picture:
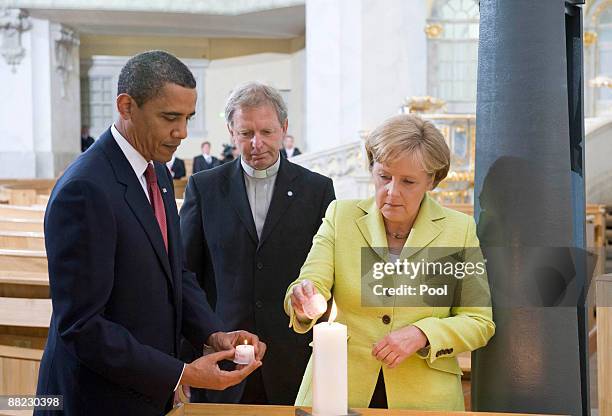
column 86, row 139
column 176, row 167
column 289, row 150
column 247, row 229
column 121, row 297
column 205, row 161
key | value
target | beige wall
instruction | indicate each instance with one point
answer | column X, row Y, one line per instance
column 222, row 75
column 277, row 62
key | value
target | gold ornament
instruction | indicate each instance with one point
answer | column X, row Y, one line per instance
column 433, row 30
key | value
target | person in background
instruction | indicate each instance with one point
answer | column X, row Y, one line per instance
column 228, row 154
column 176, row 167
column 86, row 139
column 205, row 161
column 289, row 150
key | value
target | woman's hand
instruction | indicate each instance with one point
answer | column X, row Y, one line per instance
column 399, row 345
column 300, row 296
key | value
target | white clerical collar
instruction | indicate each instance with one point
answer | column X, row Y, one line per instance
column 138, row 163
column 260, row 174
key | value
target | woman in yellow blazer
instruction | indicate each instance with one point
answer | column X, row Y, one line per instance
column 398, row 357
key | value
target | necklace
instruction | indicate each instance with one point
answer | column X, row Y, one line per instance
column 399, row 236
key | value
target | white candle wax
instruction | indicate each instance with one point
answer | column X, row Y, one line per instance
column 315, row 307
column 245, row 354
column 330, row 390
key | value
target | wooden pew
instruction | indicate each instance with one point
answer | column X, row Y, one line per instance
column 22, row 338
column 604, row 343
column 179, row 187
column 22, row 240
column 23, row 261
column 17, row 284
column 13, row 312
column 24, row 191
column 23, row 225
column 22, row 212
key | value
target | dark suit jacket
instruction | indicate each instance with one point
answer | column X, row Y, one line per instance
column 246, row 278
column 178, row 167
column 199, row 163
column 295, row 152
column 120, row 301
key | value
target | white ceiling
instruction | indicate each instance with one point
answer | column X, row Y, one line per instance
column 283, row 22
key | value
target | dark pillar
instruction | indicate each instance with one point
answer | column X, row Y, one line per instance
column 529, row 200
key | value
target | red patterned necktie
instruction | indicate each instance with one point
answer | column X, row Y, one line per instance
column 157, row 202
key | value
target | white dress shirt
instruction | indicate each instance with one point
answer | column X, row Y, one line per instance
column 137, row 162
column 139, row 165
column 289, row 152
column 169, row 165
column 259, row 187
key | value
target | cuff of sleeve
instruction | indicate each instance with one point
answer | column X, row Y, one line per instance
column 429, row 326
column 180, row 377
column 295, row 323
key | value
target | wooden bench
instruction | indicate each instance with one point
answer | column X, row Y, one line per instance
column 24, row 327
column 17, row 284
column 31, row 313
column 22, row 212
column 23, row 261
column 179, row 187
column 18, row 224
column 24, row 191
column 604, row 343
column 22, row 240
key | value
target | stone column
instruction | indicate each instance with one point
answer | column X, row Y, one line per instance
column 529, row 201
column 40, row 122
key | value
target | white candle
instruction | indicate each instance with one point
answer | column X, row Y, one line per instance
column 315, row 307
column 330, row 390
column 245, row 354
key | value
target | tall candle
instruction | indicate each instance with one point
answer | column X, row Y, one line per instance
column 330, row 390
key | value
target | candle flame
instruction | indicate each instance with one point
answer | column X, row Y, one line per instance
column 333, row 313
column 246, row 342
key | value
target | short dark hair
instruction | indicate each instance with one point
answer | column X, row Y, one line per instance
column 144, row 75
column 203, row 143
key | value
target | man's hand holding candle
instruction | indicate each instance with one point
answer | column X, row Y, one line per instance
column 399, row 345
column 205, row 372
column 221, row 341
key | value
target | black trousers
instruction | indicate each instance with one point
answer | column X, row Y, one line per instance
column 379, row 397
column 254, row 391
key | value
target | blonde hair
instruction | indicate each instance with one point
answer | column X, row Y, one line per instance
column 410, row 134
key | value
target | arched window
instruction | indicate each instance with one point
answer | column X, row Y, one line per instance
column 598, row 58
column 452, row 32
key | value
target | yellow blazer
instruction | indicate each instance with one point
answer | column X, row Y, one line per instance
column 430, row 380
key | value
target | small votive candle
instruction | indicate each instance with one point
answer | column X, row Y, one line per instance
column 245, row 354
column 315, row 307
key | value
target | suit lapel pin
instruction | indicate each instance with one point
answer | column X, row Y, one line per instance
column 164, row 190
column 290, row 193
